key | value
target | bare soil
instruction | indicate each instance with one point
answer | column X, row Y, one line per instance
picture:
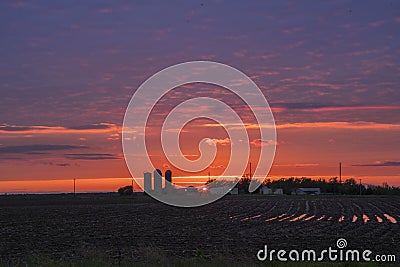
column 64, row 227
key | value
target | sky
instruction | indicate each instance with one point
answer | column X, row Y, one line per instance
column 329, row 70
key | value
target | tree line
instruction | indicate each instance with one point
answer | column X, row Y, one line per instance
column 289, row 185
column 330, row 186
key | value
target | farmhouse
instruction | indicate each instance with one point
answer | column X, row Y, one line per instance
column 307, row 191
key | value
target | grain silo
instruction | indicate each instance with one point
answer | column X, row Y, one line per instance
column 157, row 181
column 168, row 180
column 147, row 182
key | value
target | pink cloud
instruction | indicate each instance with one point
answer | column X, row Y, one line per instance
column 241, row 53
column 376, row 23
column 268, row 73
column 222, row 142
column 259, row 142
column 366, row 52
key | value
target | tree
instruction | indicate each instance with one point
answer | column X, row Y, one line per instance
column 125, row 191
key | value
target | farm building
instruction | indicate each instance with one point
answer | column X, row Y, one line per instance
column 308, row 191
column 222, row 190
column 265, row 190
column 268, row 191
column 234, row 191
column 278, row 191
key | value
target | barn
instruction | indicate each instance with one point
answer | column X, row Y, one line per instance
column 308, row 191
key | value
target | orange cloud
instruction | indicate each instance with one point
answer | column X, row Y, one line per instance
column 342, row 125
column 297, row 165
column 217, row 167
column 360, row 125
column 222, row 142
column 259, row 142
column 334, row 108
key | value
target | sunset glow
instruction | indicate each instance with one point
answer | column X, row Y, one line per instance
column 330, row 76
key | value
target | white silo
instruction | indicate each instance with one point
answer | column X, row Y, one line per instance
column 147, row 182
column 157, row 181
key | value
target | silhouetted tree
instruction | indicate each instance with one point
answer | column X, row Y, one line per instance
column 125, row 191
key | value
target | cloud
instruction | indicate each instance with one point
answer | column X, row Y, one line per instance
column 364, row 52
column 292, row 30
column 318, row 107
column 222, row 142
column 297, row 165
column 217, row 167
column 377, row 23
column 89, row 128
column 259, row 142
column 91, row 156
column 268, row 73
column 380, row 164
column 240, row 54
column 13, row 128
column 36, row 149
column 63, row 164
column 11, row 158
column 92, row 126
column 358, row 125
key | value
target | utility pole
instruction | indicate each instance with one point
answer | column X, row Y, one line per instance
column 132, row 184
column 360, row 187
column 250, row 170
column 340, row 172
column 74, row 187
column 209, row 177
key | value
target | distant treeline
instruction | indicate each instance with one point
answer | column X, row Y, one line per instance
column 289, row 185
column 331, row 186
